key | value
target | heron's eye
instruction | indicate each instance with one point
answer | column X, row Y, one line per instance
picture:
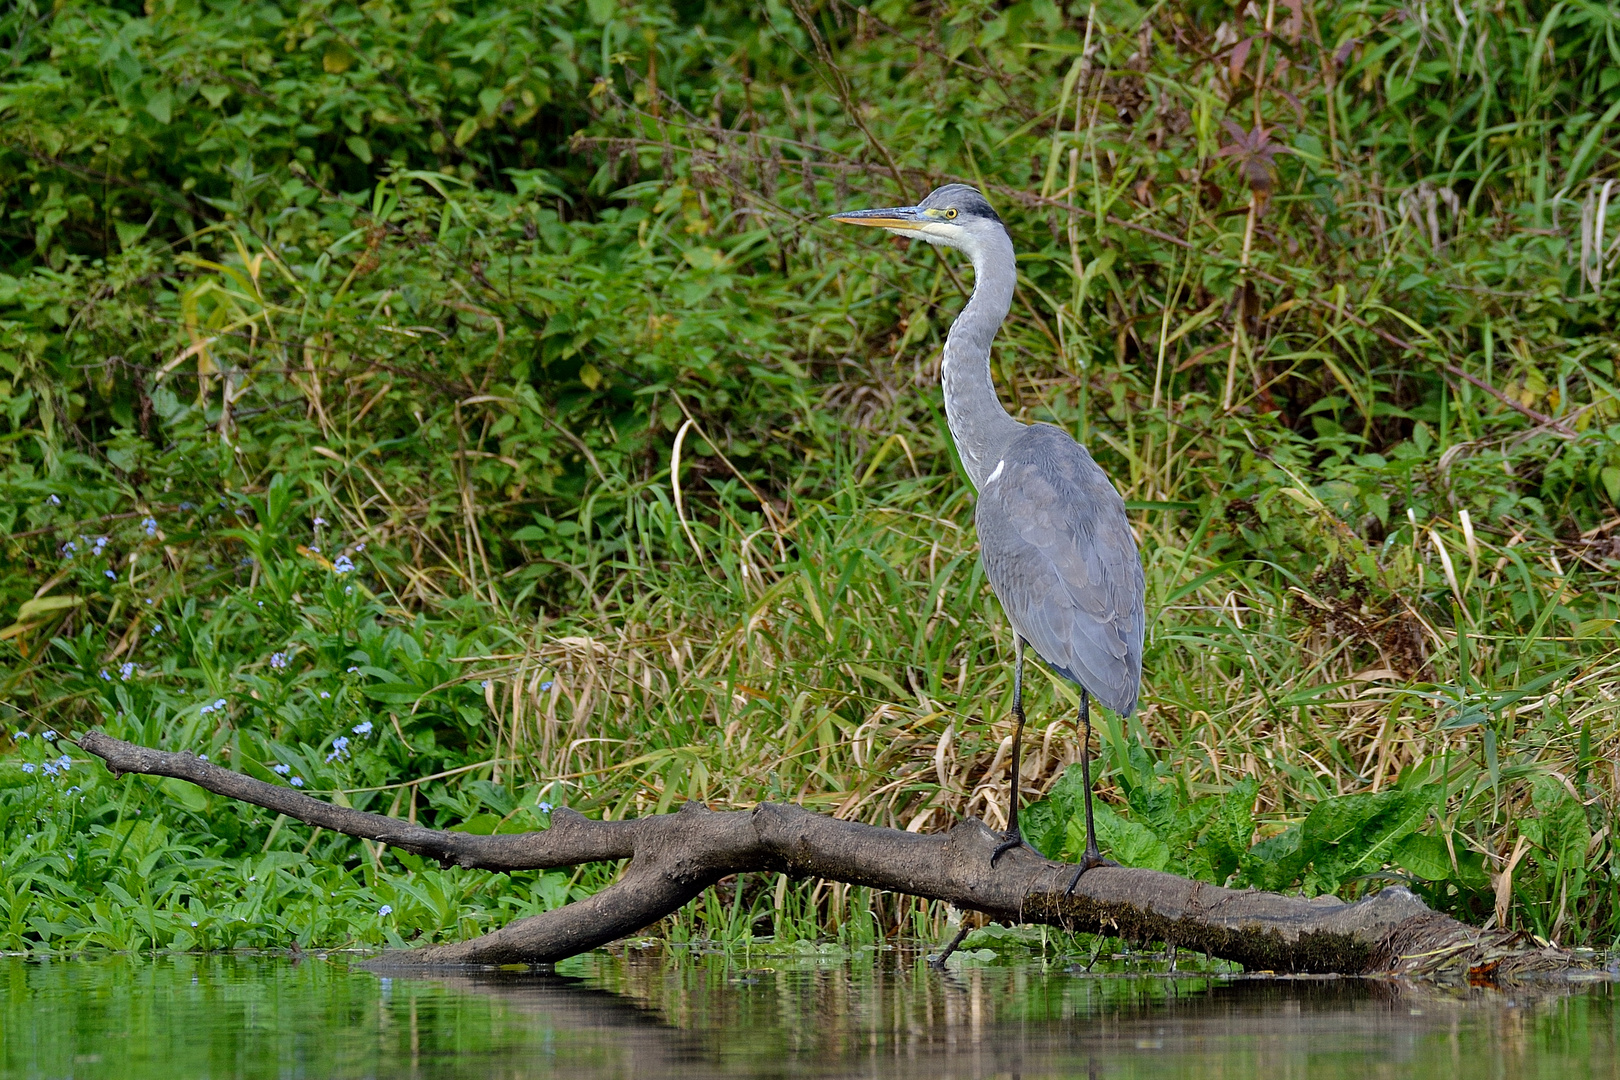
column 950, row 213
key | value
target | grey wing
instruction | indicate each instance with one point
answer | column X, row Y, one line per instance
column 1060, row 555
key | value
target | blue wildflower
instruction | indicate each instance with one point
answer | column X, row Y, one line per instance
column 545, row 808
column 106, row 676
column 49, row 735
column 340, row 748
column 342, row 564
column 188, row 506
column 297, row 781
column 319, row 521
column 19, row 736
column 126, row 669
column 385, row 910
column 282, row 769
column 48, row 769
column 363, row 728
column 150, row 525
column 28, row 767
column 278, row 660
column 352, row 670
column 324, row 695
column 64, row 762
column 53, row 500
column 546, row 685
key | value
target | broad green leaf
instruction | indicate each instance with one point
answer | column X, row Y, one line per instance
column 161, row 105
column 185, row 793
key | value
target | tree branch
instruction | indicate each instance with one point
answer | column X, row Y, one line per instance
column 674, row 857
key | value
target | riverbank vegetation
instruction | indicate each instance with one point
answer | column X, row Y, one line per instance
column 462, row 410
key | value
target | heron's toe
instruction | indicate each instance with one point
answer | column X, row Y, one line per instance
column 1010, row 839
column 1089, row 861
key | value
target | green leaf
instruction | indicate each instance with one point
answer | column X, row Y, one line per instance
column 1356, row 834
column 394, row 693
column 185, row 793
column 359, row 148
column 1275, row 862
column 1226, row 837
column 465, row 133
column 1425, row 856
column 1561, row 828
column 1130, row 843
column 161, row 105
column 337, row 59
column 44, row 604
column 129, row 233
column 483, row 824
column 1044, row 830
column 1379, row 505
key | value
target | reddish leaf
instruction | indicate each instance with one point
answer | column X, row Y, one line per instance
column 1240, row 56
column 1296, row 19
column 1299, row 106
column 1343, row 52
column 1255, row 154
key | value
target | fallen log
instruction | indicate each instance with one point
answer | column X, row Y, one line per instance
column 674, row 857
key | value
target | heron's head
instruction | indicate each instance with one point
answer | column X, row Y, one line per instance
column 955, row 215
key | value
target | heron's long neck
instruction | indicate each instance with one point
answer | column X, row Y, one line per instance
column 981, row 427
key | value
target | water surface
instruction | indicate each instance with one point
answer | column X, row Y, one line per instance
column 654, row 1013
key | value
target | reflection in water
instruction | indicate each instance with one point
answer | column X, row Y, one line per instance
column 649, row 1014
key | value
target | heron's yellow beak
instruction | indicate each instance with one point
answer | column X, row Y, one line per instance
column 907, row 218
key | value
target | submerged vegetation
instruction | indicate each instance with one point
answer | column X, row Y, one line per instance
column 459, row 410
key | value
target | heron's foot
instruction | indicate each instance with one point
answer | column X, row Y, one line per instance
column 1010, row 839
column 1089, row 861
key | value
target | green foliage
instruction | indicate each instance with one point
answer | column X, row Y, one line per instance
column 1344, row 842
column 488, row 376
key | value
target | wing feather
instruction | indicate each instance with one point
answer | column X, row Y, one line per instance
column 1059, row 553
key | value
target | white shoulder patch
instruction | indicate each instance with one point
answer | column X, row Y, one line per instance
column 1002, row 464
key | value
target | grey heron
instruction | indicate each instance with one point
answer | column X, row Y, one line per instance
column 1053, row 536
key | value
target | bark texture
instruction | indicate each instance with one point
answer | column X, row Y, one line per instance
column 674, row 857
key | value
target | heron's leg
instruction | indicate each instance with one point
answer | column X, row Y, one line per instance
column 1092, row 857
column 1013, row 837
